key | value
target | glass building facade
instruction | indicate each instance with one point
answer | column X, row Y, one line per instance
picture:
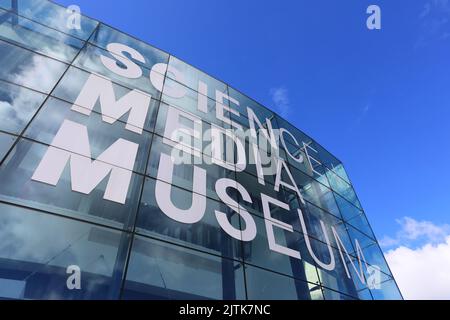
column 130, row 246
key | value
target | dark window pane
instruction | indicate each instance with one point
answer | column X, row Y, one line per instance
column 265, row 285
column 38, row 248
column 258, row 253
column 158, row 270
column 334, row 295
column 387, row 291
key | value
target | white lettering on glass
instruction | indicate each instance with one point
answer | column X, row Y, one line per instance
column 127, row 67
column 71, row 145
column 249, row 233
column 100, row 89
column 184, row 131
column 274, row 223
column 163, row 192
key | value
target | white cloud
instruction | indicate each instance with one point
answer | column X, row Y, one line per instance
column 39, row 72
column 413, row 229
column 387, row 242
column 413, row 232
column 422, row 272
column 280, row 98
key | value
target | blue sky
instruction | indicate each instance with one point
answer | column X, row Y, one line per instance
column 379, row 100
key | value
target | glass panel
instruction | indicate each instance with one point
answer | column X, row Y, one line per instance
column 36, row 37
column 89, row 60
column 365, row 295
column 269, row 161
column 258, row 253
column 297, row 144
column 265, row 285
column 311, row 213
column 360, row 222
column 101, row 135
column 340, row 171
column 334, row 295
column 388, row 291
column 301, row 139
column 73, row 82
column 17, row 106
column 205, row 235
column 186, row 121
column 314, row 192
column 34, row 266
column 371, row 251
column 18, row 187
column 374, row 256
column 331, row 162
column 183, row 173
column 6, row 142
column 363, row 240
column 360, row 285
column 189, row 102
column 347, row 210
column 245, row 102
column 250, row 183
column 241, row 118
column 105, row 35
column 343, row 188
column 314, row 215
column 337, row 278
column 192, row 76
column 158, row 270
column 307, row 163
column 52, row 15
column 21, row 66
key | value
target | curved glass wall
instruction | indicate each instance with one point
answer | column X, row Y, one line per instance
column 92, row 206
